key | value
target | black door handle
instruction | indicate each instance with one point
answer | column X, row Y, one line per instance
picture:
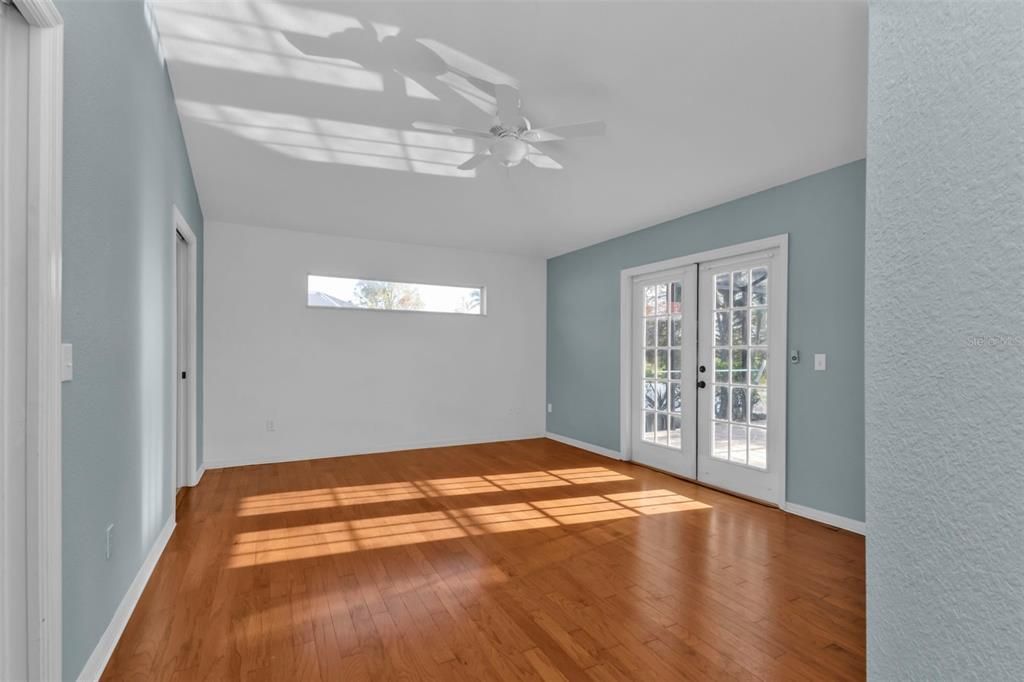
column 701, row 384
column 702, row 369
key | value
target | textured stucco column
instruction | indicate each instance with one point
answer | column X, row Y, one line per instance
column 944, row 323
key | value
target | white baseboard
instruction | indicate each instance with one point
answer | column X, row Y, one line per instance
column 214, row 463
column 827, row 518
column 198, row 475
column 105, row 647
column 582, row 445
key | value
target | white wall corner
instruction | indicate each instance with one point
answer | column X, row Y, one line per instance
column 582, row 445
column 105, row 647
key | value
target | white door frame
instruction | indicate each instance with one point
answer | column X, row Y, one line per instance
column 41, row 398
column 180, row 226
column 626, row 276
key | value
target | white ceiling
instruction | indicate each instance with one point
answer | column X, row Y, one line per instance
column 705, row 102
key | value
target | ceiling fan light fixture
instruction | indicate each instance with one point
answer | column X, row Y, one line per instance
column 509, row 151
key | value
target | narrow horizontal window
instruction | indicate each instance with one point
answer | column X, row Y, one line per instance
column 371, row 294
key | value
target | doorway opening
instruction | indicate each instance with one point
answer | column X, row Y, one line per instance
column 184, row 358
column 703, row 358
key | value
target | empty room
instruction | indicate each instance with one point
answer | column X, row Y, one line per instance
column 511, row 340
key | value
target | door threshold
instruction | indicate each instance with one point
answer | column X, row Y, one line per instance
column 763, row 503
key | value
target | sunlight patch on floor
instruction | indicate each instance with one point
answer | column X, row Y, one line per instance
column 253, row 548
column 346, row 496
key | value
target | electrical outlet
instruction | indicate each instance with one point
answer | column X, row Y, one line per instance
column 270, row 425
column 549, row 408
column 110, row 540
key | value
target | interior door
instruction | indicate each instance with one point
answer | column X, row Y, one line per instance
column 664, row 347
column 737, row 430
column 183, row 335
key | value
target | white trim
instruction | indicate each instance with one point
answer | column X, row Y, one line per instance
column 199, row 474
column 43, row 335
column 626, row 276
column 14, row 352
column 39, row 13
column 827, row 518
column 213, row 463
column 105, row 647
column 583, row 445
column 180, row 226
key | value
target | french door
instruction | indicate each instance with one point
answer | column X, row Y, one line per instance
column 707, row 372
column 665, row 355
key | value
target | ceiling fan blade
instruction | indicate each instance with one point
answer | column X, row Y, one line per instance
column 539, row 159
column 588, row 129
column 474, row 161
column 450, row 130
column 508, row 105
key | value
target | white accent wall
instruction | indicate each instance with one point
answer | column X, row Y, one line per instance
column 340, row 381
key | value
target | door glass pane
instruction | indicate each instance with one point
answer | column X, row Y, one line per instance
column 739, row 366
column 739, row 395
column 720, row 449
column 739, row 289
column 738, row 444
column 722, row 366
column 721, row 329
column 675, row 431
column 758, row 406
column 759, row 286
column 676, row 299
column 661, row 324
column 650, row 294
column 759, row 327
column 675, row 367
column 759, row 367
column 739, row 327
column 722, row 290
column 650, row 396
column 739, row 404
column 721, row 410
column 758, row 454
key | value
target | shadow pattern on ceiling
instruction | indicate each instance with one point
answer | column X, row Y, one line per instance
column 309, row 62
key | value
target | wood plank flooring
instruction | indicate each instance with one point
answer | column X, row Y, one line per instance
column 523, row 560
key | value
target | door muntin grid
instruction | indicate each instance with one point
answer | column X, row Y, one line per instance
column 661, row 349
column 739, row 381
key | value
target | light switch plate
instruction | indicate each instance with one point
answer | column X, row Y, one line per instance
column 66, row 362
column 820, row 362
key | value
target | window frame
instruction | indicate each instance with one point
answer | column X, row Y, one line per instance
column 482, row 288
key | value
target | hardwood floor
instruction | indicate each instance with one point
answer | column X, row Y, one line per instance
column 507, row 561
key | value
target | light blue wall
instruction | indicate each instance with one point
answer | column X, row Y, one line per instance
column 824, row 216
column 124, row 167
column 945, row 341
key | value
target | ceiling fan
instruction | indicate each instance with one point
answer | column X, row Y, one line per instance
column 512, row 137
